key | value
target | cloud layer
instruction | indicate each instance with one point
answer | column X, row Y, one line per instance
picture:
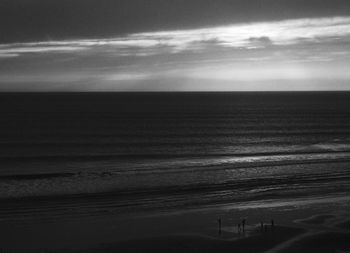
column 247, row 36
column 297, row 49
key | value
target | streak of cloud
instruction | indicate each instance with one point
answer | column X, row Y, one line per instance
column 244, row 36
column 231, row 57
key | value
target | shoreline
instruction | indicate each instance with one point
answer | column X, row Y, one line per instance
column 198, row 226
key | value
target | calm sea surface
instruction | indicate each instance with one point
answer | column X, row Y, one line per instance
column 92, row 153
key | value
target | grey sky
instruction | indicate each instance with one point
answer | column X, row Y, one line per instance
column 85, row 45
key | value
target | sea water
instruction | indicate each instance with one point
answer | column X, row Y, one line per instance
column 97, row 153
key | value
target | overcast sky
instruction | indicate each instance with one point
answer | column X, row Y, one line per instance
column 174, row 45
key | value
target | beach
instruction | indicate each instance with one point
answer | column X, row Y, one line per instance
column 174, row 126
column 298, row 227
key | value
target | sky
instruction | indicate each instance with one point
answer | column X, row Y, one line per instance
column 174, row 45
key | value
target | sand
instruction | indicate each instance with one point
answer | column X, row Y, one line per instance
column 257, row 242
column 327, row 237
column 302, row 228
column 320, row 227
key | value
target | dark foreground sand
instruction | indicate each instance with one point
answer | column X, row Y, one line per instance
column 299, row 227
column 314, row 228
column 258, row 242
column 282, row 239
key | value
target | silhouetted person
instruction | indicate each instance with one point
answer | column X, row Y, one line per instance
column 262, row 227
column 265, row 228
column 243, row 224
column 219, row 221
column 239, row 227
column 272, row 225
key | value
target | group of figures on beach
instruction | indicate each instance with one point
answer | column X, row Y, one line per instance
column 242, row 225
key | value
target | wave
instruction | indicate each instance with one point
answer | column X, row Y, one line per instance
column 175, row 197
column 99, row 157
column 36, row 176
column 193, row 133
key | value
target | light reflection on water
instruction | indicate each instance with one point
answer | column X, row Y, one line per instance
column 118, row 151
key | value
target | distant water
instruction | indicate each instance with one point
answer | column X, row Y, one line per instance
column 98, row 153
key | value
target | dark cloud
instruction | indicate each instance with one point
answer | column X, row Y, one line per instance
column 260, row 41
column 31, row 20
column 263, row 40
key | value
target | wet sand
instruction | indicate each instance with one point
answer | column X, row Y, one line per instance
column 257, row 242
column 319, row 227
column 299, row 227
column 324, row 235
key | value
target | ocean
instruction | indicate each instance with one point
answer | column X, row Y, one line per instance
column 69, row 155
